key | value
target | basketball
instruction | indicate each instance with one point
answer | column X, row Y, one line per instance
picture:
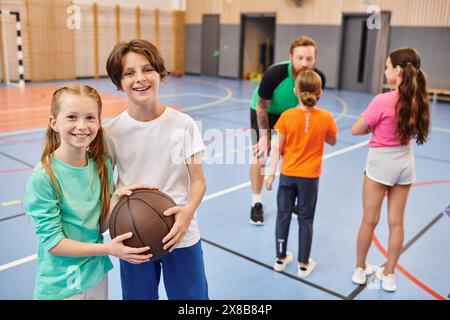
column 142, row 214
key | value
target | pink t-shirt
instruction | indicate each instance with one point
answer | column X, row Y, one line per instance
column 381, row 116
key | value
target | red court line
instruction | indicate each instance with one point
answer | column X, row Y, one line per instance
column 16, row 170
column 29, row 107
column 36, row 141
column 400, row 267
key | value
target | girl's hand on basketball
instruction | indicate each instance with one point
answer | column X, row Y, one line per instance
column 121, row 251
column 127, row 191
column 269, row 181
column 183, row 217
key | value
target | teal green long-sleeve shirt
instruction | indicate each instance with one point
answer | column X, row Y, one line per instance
column 75, row 215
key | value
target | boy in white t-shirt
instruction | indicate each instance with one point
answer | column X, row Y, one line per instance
column 153, row 144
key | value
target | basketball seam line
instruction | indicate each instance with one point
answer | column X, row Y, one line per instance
column 133, row 223
column 164, row 222
column 163, row 195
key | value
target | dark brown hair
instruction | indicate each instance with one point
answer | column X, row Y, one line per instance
column 412, row 109
column 309, row 87
column 303, row 41
column 96, row 148
column 114, row 65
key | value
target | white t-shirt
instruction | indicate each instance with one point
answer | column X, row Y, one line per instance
column 155, row 152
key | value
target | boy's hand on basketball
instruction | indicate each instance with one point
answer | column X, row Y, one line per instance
column 183, row 217
column 132, row 255
column 269, row 181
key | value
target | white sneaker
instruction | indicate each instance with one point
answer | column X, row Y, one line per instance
column 280, row 265
column 309, row 268
column 387, row 282
column 360, row 275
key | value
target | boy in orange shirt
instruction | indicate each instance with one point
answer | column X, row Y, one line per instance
column 302, row 132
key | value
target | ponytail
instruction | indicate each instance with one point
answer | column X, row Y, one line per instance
column 412, row 109
column 52, row 143
column 308, row 99
column 97, row 151
column 423, row 117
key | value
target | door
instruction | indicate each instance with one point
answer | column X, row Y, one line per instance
column 210, row 45
column 358, row 53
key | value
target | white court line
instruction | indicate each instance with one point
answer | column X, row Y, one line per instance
column 206, row 198
column 344, row 111
column 202, row 106
column 444, row 130
column 339, row 116
column 216, row 97
column 246, row 184
column 342, row 114
column 18, row 262
column 345, row 150
column 239, row 186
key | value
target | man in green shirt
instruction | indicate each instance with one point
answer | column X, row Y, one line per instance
column 274, row 95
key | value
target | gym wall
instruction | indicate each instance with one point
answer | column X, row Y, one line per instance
column 52, row 51
column 424, row 25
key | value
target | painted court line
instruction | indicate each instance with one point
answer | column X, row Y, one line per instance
column 10, row 203
column 18, row 262
column 270, row 267
column 246, row 184
column 212, row 196
column 40, row 108
column 406, row 246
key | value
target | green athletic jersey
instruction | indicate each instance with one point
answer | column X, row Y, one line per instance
column 277, row 85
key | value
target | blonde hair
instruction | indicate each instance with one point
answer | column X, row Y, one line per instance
column 96, row 148
column 309, row 87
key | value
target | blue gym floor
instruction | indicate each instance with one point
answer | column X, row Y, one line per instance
column 239, row 256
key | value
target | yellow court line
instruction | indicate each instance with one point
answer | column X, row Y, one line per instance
column 197, row 107
column 40, row 108
column 10, row 203
column 212, row 103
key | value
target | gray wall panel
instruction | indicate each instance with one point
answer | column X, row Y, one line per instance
column 433, row 44
column 328, row 39
column 193, row 48
column 230, row 41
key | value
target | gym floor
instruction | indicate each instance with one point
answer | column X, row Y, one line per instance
column 239, row 256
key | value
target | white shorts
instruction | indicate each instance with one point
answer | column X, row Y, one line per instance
column 391, row 165
column 99, row 292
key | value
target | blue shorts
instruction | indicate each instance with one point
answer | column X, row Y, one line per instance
column 183, row 273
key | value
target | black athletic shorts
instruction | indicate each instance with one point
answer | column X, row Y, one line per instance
column 254, row 124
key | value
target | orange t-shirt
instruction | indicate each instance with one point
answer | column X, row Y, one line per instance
column 305, row 132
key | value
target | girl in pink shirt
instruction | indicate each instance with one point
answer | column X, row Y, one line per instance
column 394, row 118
